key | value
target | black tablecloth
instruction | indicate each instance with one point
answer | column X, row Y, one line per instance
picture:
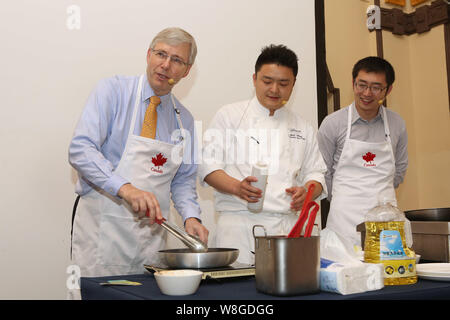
column 244, row 289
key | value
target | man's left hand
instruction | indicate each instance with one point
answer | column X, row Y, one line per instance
column 194, row 227
column 298, row 195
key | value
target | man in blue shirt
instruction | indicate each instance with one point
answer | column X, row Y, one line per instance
column 125, row 178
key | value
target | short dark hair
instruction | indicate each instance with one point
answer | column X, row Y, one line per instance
column 277, row 54
column 377, row 65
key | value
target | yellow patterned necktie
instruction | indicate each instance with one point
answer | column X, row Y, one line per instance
column 149, row 125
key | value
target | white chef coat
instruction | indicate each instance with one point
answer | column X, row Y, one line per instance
column 241, row 134
column 295, row 160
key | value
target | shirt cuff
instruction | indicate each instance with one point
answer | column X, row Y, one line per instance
column 191, row 212
column 113, row 184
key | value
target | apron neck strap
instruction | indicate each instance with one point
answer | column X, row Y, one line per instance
column 387, row 132
column 136, row 105
column 177, row 111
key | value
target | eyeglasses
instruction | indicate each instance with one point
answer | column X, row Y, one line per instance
column 361, row 87
column 162, row 55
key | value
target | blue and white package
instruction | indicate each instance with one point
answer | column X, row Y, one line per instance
column 350, row 279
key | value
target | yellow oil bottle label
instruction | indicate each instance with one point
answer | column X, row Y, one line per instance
column 391, row 245
column 396, row 263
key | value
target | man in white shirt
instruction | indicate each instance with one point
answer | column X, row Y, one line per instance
column 261, row 130
column 365, row 148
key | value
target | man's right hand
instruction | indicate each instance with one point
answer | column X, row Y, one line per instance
column 141, row 202
column 221, row 181
column 246, row 191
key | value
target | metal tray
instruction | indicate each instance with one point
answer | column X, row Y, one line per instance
column 436, row 214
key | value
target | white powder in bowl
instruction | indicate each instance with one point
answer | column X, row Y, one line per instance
column 178, row 273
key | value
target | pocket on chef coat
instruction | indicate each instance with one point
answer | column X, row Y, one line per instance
column 118, row 241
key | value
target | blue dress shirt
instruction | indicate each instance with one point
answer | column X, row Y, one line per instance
column 102, row 131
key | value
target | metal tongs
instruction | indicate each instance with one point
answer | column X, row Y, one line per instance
column 193, row 242
column 307, row 205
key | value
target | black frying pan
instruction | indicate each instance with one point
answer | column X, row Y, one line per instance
column 437, row 214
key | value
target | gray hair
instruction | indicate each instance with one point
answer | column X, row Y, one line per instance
column 176, row 36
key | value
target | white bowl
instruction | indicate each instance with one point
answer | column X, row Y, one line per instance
column 178, row 282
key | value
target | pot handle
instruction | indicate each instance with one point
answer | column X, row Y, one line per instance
column 254, row 236
column 260, row 226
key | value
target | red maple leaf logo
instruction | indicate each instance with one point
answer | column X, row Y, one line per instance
column 369, row 156
column 159, row 160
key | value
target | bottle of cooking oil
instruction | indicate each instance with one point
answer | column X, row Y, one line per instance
column 386, row 243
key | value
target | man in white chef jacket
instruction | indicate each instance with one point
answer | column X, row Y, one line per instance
column 365, row 148
column 262, row 129
column 125, row 176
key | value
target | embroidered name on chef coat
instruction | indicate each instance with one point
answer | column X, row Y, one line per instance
column 296, row 134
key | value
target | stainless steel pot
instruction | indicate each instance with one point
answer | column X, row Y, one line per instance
column 287, row 266
column 437, row 214
column 213, row 258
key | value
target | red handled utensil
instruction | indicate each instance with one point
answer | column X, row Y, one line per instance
column 307, row 204
column 312, row 218
column 158, row 221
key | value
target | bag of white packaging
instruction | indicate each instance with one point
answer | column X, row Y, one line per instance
column 341, row 270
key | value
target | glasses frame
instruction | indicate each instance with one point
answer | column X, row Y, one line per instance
column 161, row 54
column 371, row 88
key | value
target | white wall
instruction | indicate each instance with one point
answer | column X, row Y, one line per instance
column 49, row 69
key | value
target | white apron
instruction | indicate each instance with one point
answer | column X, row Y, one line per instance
column 234, row 229
column 365, row 172
column 108, row 239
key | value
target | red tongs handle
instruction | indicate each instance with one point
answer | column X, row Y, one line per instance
column 297, row 229
column 312, row 219
column 158, row 221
